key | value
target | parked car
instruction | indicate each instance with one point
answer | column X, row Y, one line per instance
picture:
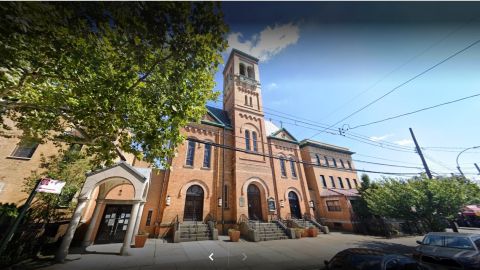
column 371, row 259
column 451, row 250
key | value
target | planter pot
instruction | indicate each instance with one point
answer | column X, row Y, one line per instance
column 312, row 232
column 304, row 233
column 234, row 236
column 140, row 240
column 298, row 234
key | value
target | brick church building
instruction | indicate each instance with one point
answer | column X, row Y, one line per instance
column 235, row 167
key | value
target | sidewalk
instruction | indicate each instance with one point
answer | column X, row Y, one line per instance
column 305, row 253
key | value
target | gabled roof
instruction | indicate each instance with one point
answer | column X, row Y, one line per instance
column 219, row 115
column 273, row 132
column 283, row 130
column 141, row 173
column 326, row 146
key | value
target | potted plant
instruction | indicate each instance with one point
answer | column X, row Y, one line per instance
column 312, row 231
column 234, row 234
column 304, row 232
column 140, row 239
column 298, row 233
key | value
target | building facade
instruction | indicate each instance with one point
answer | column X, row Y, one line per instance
column 233, row 166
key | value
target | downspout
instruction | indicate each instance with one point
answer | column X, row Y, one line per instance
column 161, row 198
column 306, row 194
column 223, row 183
column 272, row 165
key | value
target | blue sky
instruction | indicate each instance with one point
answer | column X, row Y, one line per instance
column 322, row 61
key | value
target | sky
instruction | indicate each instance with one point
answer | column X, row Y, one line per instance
column 322, row 61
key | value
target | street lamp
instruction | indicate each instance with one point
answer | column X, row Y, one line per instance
column 458, row 165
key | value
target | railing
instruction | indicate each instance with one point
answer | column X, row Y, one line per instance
column 247, row 80
column 243, row 218
column 210, row 218
column 176, row 223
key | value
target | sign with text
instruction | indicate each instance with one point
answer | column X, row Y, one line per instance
column 50, row 186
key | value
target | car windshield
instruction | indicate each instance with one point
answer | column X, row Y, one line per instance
column 458, row 242
column 476, row 240
column 364, row 262
column 433, row 240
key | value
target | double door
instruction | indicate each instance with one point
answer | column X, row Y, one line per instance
column 114, row 224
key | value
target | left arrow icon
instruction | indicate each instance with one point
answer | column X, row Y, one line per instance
column 211, row 257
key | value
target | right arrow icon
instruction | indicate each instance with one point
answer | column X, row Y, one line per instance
column 244, row 257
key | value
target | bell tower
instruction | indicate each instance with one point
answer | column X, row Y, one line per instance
column 242, row 99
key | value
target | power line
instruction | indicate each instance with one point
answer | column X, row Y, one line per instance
column 402, row 84
column 310, row 152
column 401, row 66
column 403, row 162
column 331, row 131
column 232, row 148
column 416, row 111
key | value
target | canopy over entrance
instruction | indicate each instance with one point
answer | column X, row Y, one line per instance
column 107, row 179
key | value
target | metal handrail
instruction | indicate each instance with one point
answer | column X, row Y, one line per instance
column 176, row 223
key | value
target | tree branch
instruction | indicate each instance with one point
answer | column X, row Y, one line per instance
column 149, row 71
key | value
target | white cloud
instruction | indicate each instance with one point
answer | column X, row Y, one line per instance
column 380, row 138
column 272, row 86
column 404, row 142
column 269, row 42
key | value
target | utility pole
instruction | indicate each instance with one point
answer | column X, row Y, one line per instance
column 476, row 166
column 11, row 230
column 419, row 151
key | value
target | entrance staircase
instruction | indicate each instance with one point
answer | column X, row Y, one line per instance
column 194, row 231
column 307, row 221
column 268, row 231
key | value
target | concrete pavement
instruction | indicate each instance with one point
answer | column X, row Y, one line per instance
column 305, row 253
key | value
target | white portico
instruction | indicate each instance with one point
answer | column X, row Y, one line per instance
column 107, row 179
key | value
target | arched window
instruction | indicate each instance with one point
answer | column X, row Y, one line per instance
column 246, row 100
column 242, row 69
column 349, row 165
column 326, row 161
column 334, row 162
column 190, row 153
column 251, row 104
column 343, row 164
column 247, row 140
column 317, row 157
column 207, row 156
column 340, row 182
column 254, row 139
column 292, row 167
column 283, row 170
column 250, row 73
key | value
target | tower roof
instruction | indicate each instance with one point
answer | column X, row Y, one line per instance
column 238, row 52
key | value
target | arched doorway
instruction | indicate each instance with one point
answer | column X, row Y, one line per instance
column 193, row 204
column 254, row 203
column 294, row 205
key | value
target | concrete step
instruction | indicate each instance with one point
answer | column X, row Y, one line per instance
column 194, row 239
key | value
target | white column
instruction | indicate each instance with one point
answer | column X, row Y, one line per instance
column 96, row 213
column 130, row 228
column 137, row 222
column 62, row 252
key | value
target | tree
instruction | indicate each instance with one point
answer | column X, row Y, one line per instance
column 69, row 166
column 360, row 207
column 108, row 75
column 430, row 201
